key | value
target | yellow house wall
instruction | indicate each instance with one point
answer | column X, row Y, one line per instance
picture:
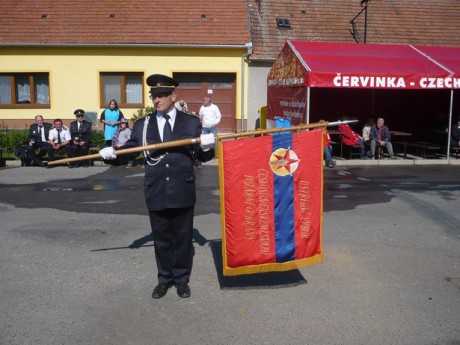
column 74, row 73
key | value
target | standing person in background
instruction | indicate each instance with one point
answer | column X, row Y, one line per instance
column 81, row 136
column 111, row 118
column 210, row 116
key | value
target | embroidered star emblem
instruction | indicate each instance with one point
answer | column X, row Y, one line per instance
column 284, row 162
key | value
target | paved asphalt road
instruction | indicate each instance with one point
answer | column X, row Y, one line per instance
column 77, row 264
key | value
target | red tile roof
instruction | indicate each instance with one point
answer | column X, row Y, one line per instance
column 225, row 22
column 197, row 22
column 435, row 22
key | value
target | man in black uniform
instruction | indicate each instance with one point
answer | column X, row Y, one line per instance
column 81, row 135
column 169, row 184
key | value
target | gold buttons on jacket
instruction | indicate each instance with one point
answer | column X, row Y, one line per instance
column 167, row 165
column 167, row 178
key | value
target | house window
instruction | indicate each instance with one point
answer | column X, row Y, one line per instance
column 283, row 23
column 126, row 88
column 24, row 89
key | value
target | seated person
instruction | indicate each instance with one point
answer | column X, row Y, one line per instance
column 181, row 105
column 380, row 137
column 327, row 147
column 351, row 138
column 121, row 136
column 59, row 136
column 38, row 140
column 366, row 136
column 455, row 134
column 81, row 135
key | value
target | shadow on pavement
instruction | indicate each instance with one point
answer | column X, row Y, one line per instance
column 270, row 280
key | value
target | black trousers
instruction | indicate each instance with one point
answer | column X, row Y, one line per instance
column 172, row 232
column 77, row 151
column 45, row 148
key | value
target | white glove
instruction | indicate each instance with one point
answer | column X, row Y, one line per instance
column 207, row 141
column 108, row 153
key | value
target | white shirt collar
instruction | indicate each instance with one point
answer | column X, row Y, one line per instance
column 172, row 114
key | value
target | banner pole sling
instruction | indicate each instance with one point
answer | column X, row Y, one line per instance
column 185, row 142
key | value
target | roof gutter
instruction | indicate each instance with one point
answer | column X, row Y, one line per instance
column 125, row 45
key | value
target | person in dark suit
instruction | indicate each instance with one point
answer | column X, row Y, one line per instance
column 169, row 184
column 38, row 140
column 81, row 136
column 455, row 133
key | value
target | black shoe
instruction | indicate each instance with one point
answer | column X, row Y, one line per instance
column 183, row 290
column 71, row 166
column 160, row 290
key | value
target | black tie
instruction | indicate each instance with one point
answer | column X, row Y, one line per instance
column 59, row 137
column 40, row 134
column 167, row 133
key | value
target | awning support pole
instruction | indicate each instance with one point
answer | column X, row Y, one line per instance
column 449, row 128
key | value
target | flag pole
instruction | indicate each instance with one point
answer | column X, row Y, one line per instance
column 185, row 142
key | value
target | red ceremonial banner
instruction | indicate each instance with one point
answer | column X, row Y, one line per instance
column 271, row 190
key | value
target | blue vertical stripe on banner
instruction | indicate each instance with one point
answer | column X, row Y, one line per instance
column 284, row 206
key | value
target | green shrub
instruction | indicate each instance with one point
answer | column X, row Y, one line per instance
column 10, row 139
column 140, row 113
column 98, row 138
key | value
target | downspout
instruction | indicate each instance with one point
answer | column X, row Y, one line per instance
column 243, row 79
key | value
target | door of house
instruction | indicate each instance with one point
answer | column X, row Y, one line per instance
column 221, row 87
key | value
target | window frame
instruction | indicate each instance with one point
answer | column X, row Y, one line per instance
column 31, row 78
column 122, row 101
column 283, row 23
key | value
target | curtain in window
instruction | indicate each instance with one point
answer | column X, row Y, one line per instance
column 5, row 90
column 42, row 90
column 112, row 88
column 133, row 89
column 22, row 89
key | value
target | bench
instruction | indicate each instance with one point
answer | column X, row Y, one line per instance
column 354, row 151
column 426, row 149
column 454, row 150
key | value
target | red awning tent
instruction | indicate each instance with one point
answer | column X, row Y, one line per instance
column 304, row 65
column 448, row 58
